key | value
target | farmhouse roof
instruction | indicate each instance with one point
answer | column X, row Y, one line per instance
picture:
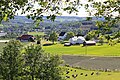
column 25, row 37
column 62, row 34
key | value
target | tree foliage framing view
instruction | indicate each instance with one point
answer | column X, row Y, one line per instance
column 109, row 9
column 30, row 63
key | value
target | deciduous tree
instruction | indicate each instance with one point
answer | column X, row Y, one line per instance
column 11, row 61
column 53, row 37
column 40, row 65
column 69, row 35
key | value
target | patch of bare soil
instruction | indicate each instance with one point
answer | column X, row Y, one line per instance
column 93, row 63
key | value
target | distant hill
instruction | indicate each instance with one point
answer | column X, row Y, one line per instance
column 58, row 18
column 22, row 20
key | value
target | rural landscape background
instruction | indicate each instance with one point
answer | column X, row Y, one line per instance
column 57, row 47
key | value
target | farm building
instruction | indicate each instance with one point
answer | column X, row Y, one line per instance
column 2, row 33
column 26, row 38
column 77, row 40
column 62, row 36
column 89, row 43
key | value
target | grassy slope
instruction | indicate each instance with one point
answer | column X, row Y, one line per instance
column 36, row 33
column 101, row 76
column 104, row 50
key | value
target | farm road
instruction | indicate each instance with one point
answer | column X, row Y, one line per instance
column 93, row 63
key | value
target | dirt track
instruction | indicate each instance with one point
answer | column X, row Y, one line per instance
column 94, row 63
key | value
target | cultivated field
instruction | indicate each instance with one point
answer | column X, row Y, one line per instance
column 93, row 63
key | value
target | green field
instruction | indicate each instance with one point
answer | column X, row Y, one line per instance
column 97, row 75
column 36, row 33
column 104, row 50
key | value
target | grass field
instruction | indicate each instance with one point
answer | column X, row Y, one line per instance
column 91, row 75
column 36, row 33
column 104, row 50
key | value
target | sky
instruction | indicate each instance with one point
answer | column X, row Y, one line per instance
column 82, row 12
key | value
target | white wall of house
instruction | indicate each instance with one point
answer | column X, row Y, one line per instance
column 77, row 40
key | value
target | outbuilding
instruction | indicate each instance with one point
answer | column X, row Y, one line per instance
column 26, row 38
column 89, row 43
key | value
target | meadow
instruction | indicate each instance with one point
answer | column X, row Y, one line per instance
column 104, row 50
column 90, row 75
column 36, row 33
column 83, row 74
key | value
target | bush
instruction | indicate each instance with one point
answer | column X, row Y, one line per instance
column 34, row 63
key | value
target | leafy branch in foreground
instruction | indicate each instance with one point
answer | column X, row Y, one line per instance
column 33, row 64
column 11, row 61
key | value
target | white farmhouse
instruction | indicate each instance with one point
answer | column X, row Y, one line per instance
column 77, row 40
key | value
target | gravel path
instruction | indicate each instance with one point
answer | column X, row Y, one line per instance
column 93, row 63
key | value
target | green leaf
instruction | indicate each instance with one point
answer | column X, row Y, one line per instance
column 5, row 17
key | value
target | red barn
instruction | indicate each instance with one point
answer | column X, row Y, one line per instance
column 26, row 38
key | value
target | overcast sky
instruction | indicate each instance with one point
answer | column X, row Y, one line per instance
column 81, row 13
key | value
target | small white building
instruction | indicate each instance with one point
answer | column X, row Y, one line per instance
column 77, row 40
column 3, row 33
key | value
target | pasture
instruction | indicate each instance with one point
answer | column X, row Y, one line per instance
column 86, row 58
column 104, row 50
column 36, row 33
column 71, row 74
